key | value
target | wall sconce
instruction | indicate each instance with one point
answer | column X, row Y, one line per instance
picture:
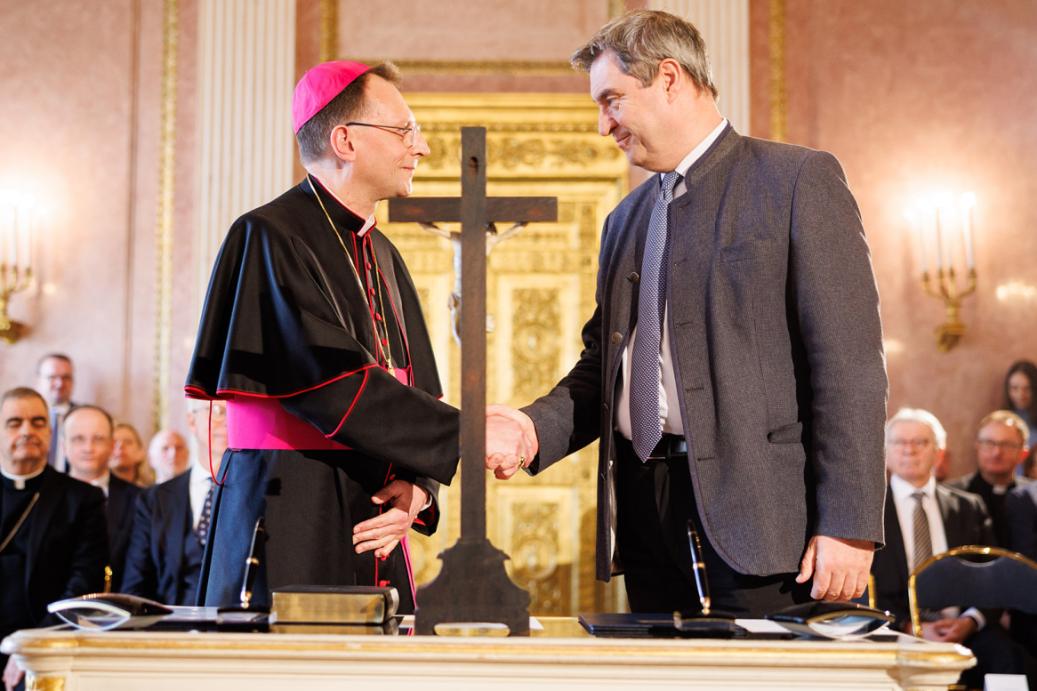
column 938, row 223
column 19, row 224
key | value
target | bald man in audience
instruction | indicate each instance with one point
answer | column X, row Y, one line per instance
column 88, row 441
column 171, row 526
column 53, row 540
column 923, row 518
column 1001, row 445
column 168, row 454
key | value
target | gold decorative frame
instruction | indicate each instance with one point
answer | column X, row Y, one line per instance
column 164, row 225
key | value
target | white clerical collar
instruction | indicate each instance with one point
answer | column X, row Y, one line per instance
column 902, row 489
column 102, row 482
column 20, row 480
column 699, row 149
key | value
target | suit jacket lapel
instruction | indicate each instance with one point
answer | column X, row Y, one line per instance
column 895, row 539
column 176, row 524
column 950, row 512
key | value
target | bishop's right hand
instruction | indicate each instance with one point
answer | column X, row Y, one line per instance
column 511, row 441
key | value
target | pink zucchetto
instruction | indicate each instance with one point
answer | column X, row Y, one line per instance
column 320, row 85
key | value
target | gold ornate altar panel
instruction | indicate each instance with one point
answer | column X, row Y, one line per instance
column 540, row 291
column 129, row 661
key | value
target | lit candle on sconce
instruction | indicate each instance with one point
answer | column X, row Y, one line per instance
column 914, row 220
column 939, row 211
column 968, row 202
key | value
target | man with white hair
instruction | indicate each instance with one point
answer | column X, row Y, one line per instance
column 923, row 518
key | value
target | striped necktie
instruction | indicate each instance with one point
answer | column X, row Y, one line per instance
column 202, row 530
column 646, row 427
column 922, row 538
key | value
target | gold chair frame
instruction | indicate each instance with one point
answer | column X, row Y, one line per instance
column 972, row 550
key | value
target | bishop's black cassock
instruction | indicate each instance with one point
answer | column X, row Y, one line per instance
column 289, row 336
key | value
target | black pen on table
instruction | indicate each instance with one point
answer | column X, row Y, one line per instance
column 252, row 563
column 698, row 568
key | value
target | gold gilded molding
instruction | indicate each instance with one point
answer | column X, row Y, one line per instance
column 616, row 8
column 778, row 95
column 534, row 345
column 508, row 68
column 328, row 30
column 33, row 645
column 44, row 682
column 164, row 226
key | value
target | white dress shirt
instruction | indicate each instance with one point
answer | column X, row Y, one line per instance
column 199, row 484
column 669, row 416
column 905, row 504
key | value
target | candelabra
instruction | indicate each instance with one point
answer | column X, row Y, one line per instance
column 946, row 288
column 952, row 329
column 17, row 226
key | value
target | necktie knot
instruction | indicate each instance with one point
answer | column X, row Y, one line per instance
column 918, row 496
column 669, row 181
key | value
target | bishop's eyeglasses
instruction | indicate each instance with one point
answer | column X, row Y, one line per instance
column 409, row 134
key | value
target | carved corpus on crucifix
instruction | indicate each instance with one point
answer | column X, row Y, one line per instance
column 473, row 589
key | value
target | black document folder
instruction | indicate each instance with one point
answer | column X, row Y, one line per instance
column 617, row 625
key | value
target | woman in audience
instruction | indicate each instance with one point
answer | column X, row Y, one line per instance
column 127, row 461
column 1020, row 398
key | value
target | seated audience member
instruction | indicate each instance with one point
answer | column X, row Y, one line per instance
column 1020, row 385
column 1001, row 445
column 88, row 442
column 171, row 526
column 55, row 377
column 1021, row 507
column 923, row 518
column 128, row 458
column 53, row 541
column 167, row 454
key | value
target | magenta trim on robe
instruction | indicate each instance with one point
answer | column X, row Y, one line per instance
column 261, row 423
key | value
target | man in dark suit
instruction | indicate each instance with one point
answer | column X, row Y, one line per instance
column 1001, row 445
column 923, row 518
column 170, row 529
column 55, row 378
column 88, row 444
column 53, row 542
column 733, row 369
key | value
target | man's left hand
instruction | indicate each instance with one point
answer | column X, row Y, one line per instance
column 383, row 532
column 838, row 566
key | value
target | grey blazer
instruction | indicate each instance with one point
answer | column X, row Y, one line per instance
column 777, row 352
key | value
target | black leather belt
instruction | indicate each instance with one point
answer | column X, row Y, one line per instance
column 669, row 446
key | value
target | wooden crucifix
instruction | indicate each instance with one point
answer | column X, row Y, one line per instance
column 473, row 588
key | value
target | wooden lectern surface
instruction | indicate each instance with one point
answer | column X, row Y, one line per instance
column 560, row 656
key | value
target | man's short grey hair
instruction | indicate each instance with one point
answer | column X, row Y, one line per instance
column 920, row 416
column 642, row 39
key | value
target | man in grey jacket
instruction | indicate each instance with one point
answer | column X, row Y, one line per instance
column 733, row 369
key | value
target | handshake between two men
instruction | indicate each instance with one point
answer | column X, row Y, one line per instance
column 830, row 568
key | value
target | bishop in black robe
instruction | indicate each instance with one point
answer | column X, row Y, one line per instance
column 337, row 359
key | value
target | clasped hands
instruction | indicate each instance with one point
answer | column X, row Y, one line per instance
column 511, row 441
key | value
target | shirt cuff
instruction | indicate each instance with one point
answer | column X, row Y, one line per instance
column 976, row 616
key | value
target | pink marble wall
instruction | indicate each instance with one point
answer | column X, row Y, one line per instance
column 910, row 97
column 79, row 128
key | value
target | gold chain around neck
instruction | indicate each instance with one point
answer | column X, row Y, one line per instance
column 385, row 351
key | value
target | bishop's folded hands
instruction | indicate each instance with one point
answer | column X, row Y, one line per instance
column 511, row 441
